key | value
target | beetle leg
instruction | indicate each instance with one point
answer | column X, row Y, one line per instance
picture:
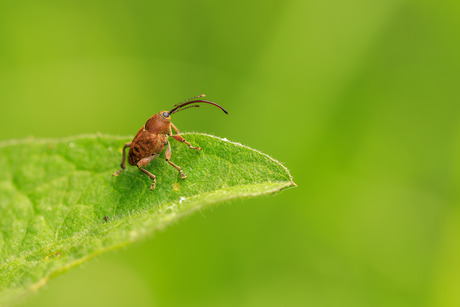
column 181, row 139
column 123, row 160
column 144, row 162
column 175, row 128
column 168, row 156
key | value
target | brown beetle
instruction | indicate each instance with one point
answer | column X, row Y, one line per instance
column 152, row 138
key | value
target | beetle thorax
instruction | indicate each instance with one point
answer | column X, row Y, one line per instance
column 158, row 125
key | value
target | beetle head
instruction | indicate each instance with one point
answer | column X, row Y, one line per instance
column 161, row 122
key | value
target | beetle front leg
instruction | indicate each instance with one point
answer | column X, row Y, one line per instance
column 144, row 162
column 181, row 139
column 123, row 160
column 168, row 156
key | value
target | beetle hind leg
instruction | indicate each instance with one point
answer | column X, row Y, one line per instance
column 123, row 160
column 152, row 176
column 144, row 162
column 182, row 175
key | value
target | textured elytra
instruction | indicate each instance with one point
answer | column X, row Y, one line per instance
column 60, row 204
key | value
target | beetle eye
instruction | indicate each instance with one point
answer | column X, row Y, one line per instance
column 165, row 114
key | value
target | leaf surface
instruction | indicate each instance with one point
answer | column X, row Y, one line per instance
column 55, row 194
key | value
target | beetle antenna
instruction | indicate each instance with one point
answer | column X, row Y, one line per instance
column 192, row 106
column 199, row 96
column 174, row 110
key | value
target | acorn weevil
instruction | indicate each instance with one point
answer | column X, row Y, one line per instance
column 152, row 138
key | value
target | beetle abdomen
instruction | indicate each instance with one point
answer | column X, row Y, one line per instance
column 146, row 144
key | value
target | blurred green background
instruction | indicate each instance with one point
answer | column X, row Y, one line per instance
column 360, row 99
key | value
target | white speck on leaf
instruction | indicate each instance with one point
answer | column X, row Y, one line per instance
column 181, row 199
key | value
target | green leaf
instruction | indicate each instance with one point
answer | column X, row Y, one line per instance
column 54, row 195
